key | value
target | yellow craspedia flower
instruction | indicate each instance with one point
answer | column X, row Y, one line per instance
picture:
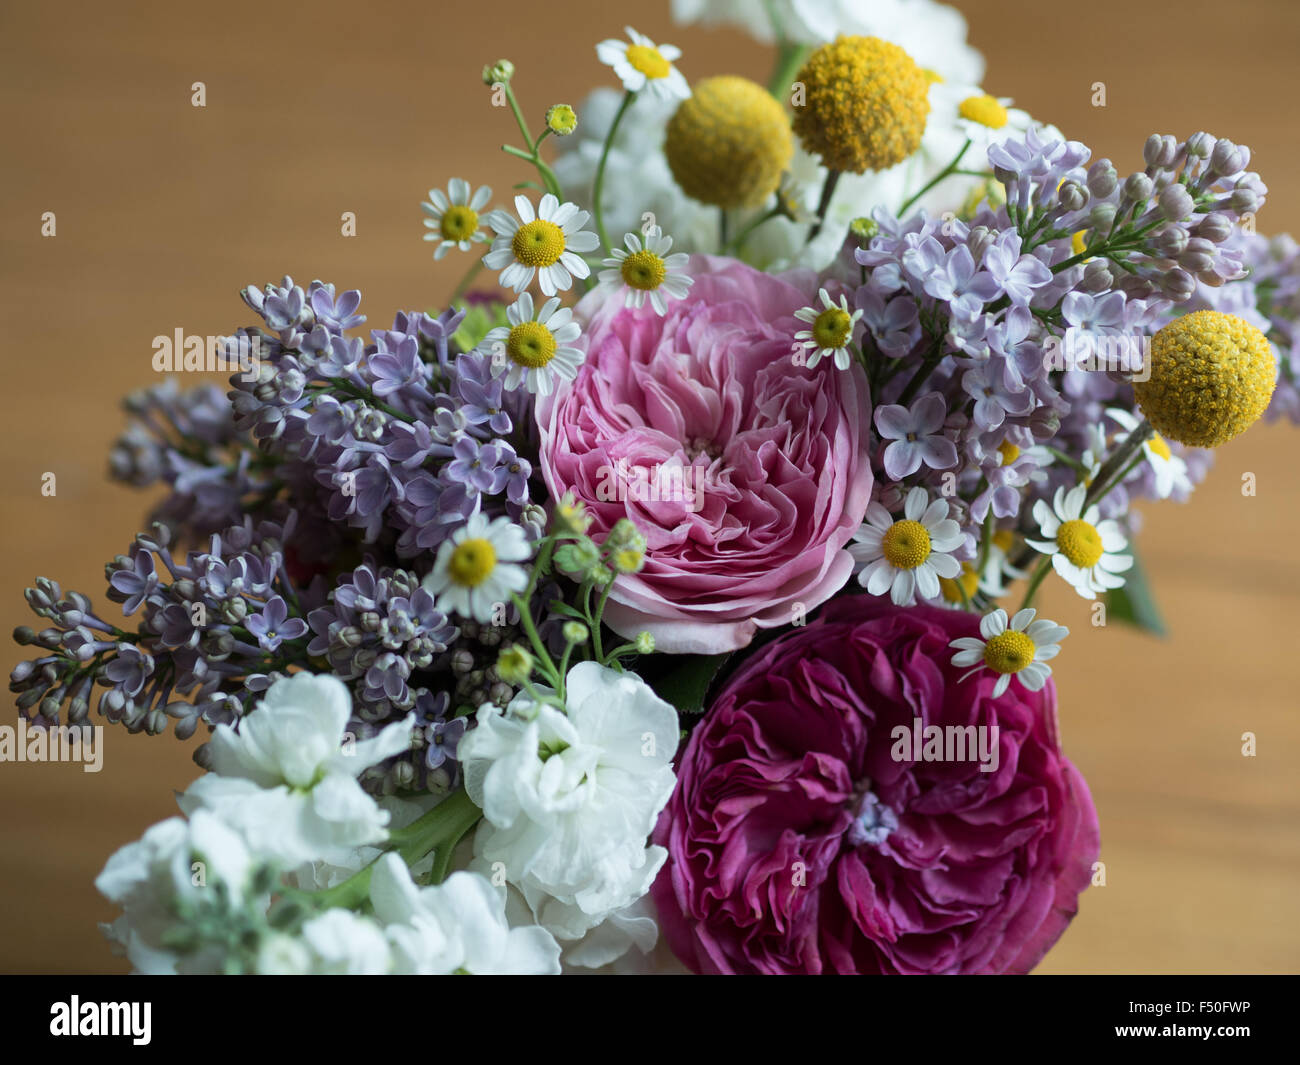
column 729, row 143
column 1212, row 376
column 864, row 106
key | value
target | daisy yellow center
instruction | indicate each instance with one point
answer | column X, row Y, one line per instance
column 530, row 344
column 648, row 61
column 985, row 110
column 472, row 562
column 1158, row 445
column 953, row 587
column 1080, row 542
column 459, row 222
column 832, row 327
column 1078, row 243
column 1009, row 652
column 1003, row 539
column 538, row 243
column 1009, row 452
column 906, row 544
column 644, row 270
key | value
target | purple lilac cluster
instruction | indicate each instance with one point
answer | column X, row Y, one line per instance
column 404, row 440
column 213, row 631
column 187, row 439
column 325, row 448
column 987, row 324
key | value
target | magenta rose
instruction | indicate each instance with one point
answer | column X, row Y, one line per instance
column 806, row 835
column 746, row 471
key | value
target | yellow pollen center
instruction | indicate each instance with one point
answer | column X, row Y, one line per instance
column 459, row 222
column 1080, row 543
column 1002, row 539
column 1009, row 452
column 985, row 110
column 648, row 61
column 538, row 243
column 530, row 344
column 1158, row 445
column 471, row 562
column 644, row 270
column 906, row 544
column 1009, row 652
column 1078, row 242
column 832, row 328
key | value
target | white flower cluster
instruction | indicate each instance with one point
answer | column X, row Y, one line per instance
column 568, row 798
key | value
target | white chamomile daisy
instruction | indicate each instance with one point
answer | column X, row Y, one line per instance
column 646, row 270
column 645, row 65
column 1085, row 551
column 907, row 556
column 535, row 350
column 985, row 119
column 831, row 332
column 474, row 569
column 1017, row 649
column 545, row 243
column 454, row 216
column 1170, row 470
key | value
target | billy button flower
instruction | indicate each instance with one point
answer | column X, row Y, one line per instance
column 865, row 104
column 729, row 143
column 1212, row 376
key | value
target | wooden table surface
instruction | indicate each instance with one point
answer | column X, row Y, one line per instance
column 165, row 210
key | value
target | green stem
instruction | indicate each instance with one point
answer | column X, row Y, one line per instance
column 467, row 280
column 738, row 240
column 789, row 58
column 922, row 372
column 599, row 184
column 824, row 204
column 1104, row 481
column 1044, row 564
column 951, row 168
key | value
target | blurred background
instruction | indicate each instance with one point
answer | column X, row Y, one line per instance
column 164, row 211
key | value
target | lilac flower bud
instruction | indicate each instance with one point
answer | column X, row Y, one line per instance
column 978, row 242
column 30, row 698
column 1199, row 145
column 1097, row 277
column 1209, row 277
column 1072, row 196
column 1160, row 150
column 1102, row 178
column 1136, row 288
column 1176, row 202
column 1215, row 227
column 462, row 661
column 1168, row 240
column 1137, row 188
column 1102, row 216
column 1198, row 256
column 1226, row 158
column 1243, row 200
column 1178, row 285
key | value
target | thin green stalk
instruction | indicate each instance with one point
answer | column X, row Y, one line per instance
column 599, row 184
column 824, row 204
column 1044, row 564
column 948, row 170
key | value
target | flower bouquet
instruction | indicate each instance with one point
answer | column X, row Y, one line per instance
column 669, row 603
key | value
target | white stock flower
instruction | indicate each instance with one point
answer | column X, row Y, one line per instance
column 287, row 780
column 458, row 925
column 337, row 943
column 176, row 863
column 569, row 799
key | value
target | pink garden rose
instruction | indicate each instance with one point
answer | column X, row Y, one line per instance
column 807, row 836
column 746, row 471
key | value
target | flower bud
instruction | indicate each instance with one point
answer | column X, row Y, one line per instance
column 515, row 664
column 1102, row 178
column 1160, row 150
column 561, row 119
column 1199, row 145
column 499, row 72
column 1097, row 277
column 1168, row 240
column 1243, row 200
column 1226, row 158
column 1072, row 196
column 575, row 632
column 1215, row 227
column 1101, row 217
column 645, row 643
column 1137, row 188
column 1198, row 256
column 1176, row 202
column 1178, row 285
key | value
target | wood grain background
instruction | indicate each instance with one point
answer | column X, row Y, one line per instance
column 165, row 210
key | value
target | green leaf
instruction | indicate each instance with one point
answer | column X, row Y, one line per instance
column 1134, row 604
column 682, row 680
